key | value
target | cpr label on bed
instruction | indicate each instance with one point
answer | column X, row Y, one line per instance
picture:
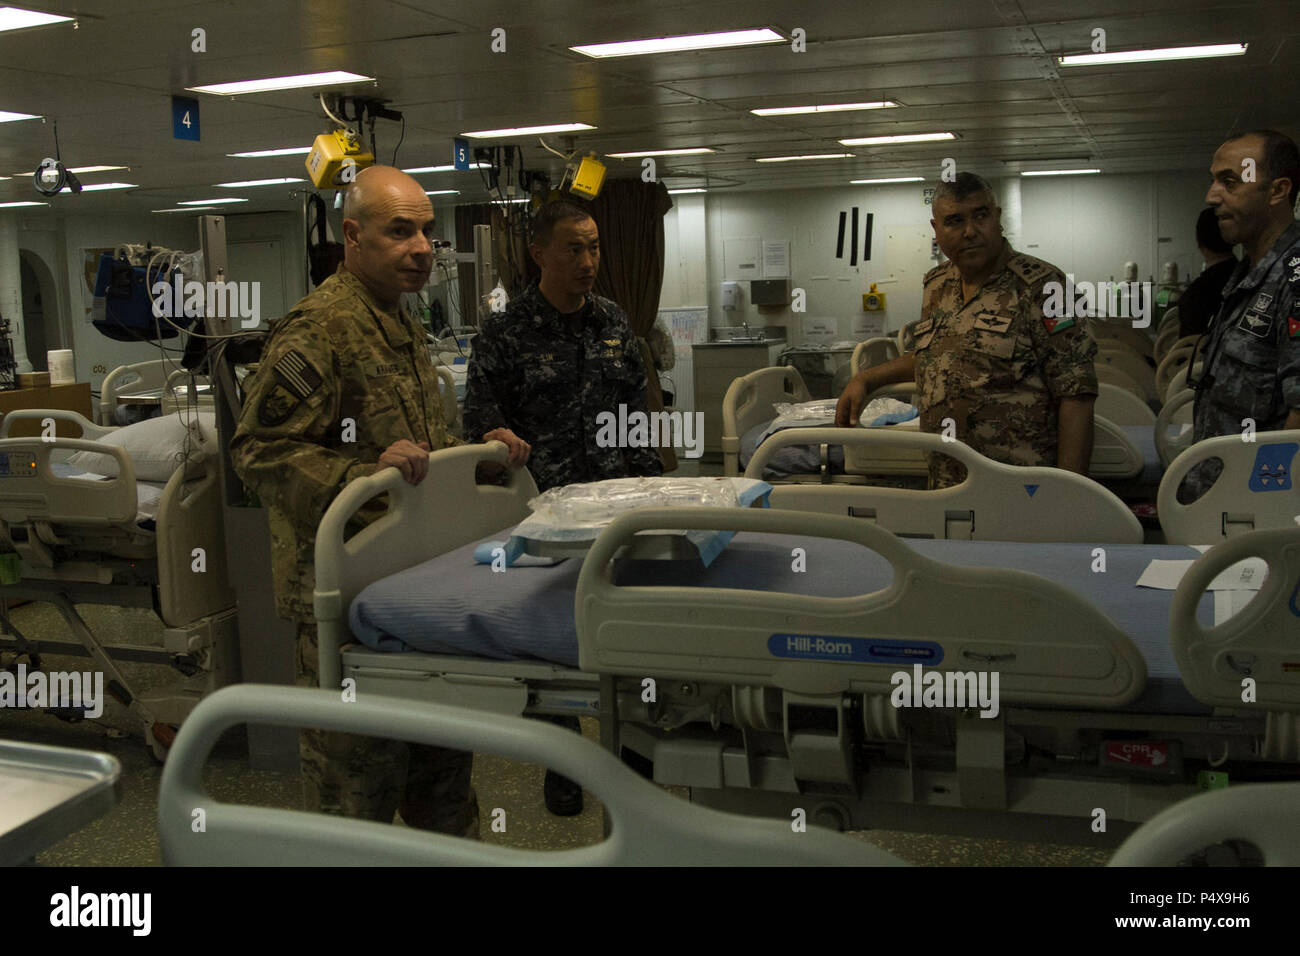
column 821, row 647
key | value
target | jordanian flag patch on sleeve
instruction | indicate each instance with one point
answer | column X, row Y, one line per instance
column 1056, row 325
column 1293, row 326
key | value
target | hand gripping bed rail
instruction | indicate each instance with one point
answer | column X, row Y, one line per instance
column 997, row 502
column 1261, row 641
column 648, row 826
column 1265, row 814
column 1048, row 645
column 1255, row 492
column 466, row 512
column 30, row 491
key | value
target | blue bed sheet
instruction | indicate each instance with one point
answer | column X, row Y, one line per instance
column 451, row 605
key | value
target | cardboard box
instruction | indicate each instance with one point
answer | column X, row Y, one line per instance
column 33, row 379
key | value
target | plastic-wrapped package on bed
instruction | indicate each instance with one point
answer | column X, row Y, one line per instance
column 578, row 513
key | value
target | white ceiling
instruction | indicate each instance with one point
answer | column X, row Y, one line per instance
column 982, row 69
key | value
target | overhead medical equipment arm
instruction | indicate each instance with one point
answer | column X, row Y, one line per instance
column 649, row 827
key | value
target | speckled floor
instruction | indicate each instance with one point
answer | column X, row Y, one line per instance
column 128, row 836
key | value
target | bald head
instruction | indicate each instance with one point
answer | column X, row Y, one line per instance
column 387, row 228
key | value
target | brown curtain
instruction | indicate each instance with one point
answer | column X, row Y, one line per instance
column 467, row 217
column 630, row 217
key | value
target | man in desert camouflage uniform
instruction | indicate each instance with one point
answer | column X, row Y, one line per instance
column 1017, row 386
column 347, row 351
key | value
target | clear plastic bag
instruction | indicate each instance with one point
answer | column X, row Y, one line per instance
column 879, row 407
column 597, row 503
column 805, row 411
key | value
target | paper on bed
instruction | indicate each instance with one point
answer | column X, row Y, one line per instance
column 1245, row 575
column 544, row 525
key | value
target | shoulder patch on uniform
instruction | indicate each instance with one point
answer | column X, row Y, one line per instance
column 1293, row 327
column 1057, row 325
column 276, row 406
column 296, row 374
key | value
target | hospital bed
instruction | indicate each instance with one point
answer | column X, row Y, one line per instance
column 79, row 538
column 871, row 353
column 161, row 383
column 1114, row 355
column 996, row 502
column 1120, row 452
column 765, row 689
column 1256, row 489
column 645, row 825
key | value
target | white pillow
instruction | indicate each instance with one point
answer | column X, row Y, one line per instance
column 156, row 446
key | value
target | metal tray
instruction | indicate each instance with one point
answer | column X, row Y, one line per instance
column 46, row 793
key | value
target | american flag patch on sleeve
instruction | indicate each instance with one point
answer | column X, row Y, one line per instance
column 297, row 374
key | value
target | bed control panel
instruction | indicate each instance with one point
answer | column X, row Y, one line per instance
column 18, row 464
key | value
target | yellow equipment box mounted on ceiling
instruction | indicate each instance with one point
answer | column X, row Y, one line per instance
column 336, row 158
column 589, row 178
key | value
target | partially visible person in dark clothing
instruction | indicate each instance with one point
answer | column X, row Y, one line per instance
column 1197, row 305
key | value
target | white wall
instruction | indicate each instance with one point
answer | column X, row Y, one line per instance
column 1088, row 226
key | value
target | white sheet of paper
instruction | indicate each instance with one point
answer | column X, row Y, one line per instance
column 1245, row 575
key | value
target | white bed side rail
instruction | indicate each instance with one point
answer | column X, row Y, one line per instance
column 1256, row 490
column 445, row 511
column 1264, row 814
column 1048, row 645
column 996, row 502
column 749, row 402
column 89, row 430
column 648, row 826
column 1261, row 642
column 30, row 491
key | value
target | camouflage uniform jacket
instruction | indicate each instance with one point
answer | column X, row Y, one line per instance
column 336, row 356
column 995, row 365
column 1252, row 359
column 546, row 376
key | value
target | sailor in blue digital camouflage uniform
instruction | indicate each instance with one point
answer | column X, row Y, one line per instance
column 1252, row 353
column 546, row 366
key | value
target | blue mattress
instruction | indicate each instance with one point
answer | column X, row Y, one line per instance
column 1144, row 437
column 450, row 605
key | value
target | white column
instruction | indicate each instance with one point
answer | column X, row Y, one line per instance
column 11, row 288
column 1010, row 200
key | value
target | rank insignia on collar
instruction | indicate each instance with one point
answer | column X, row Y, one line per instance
column 613, row 341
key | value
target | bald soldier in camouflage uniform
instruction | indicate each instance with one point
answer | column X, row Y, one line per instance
column 347, row 351
column 556, row 358
column 1018, row 386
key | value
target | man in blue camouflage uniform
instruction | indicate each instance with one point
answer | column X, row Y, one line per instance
column 1251, row 359
column 545, row 367
column 348, row 353
column 1017, row 385
column 556, row 358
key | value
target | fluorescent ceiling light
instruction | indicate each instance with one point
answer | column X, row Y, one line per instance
column 190, row 209
column 16, row 18
column 258, row 182
column 11, row 205
column 693, row 151
column 699, row 41
column 791, row 159
column 7, row 117
column 1059, row 172
column 442, row 169
column 208, row 202
column 331, row 78
column 286, row 151
column 907, row 138
column 528, row 130
column 441, row 192
column 678, row 192
column 98, row 186
column 1152, row 56
column 892, row 179
column 82, row 169
column 830, row 108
